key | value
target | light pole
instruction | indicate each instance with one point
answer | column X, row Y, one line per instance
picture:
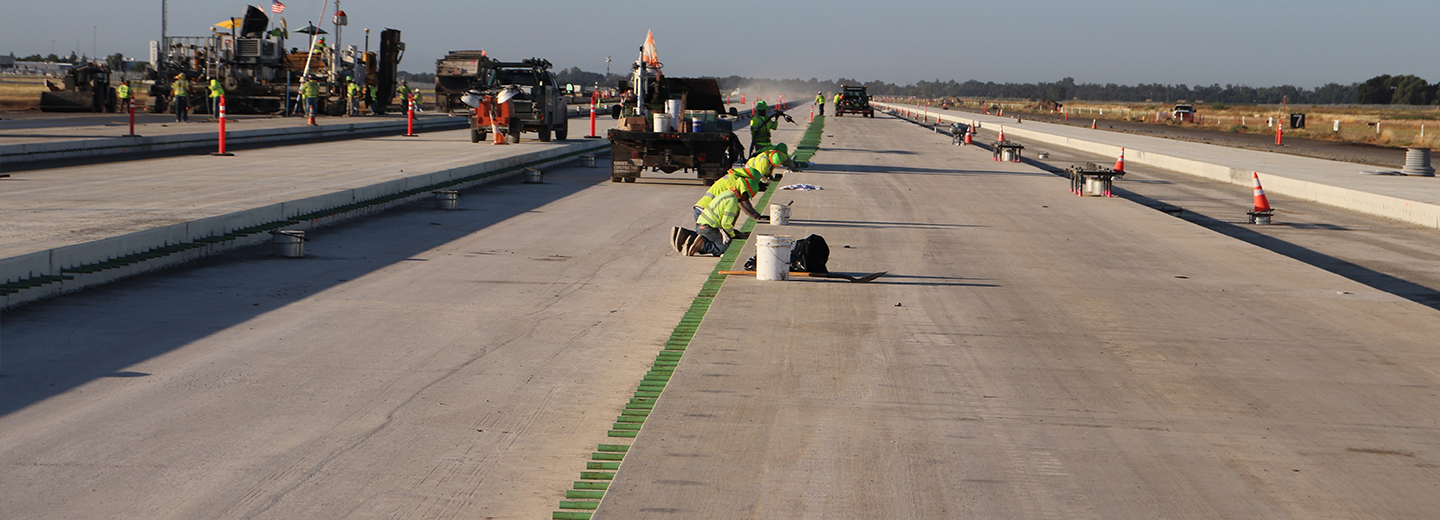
column 607, row 68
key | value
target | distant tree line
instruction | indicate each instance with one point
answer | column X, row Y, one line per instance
column 1380, row 90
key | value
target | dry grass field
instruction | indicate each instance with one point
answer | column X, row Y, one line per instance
column 22, row 93
column 1386, row 126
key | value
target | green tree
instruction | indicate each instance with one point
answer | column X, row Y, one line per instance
column 1376, row 90
column 1412, row 90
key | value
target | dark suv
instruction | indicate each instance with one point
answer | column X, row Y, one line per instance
column 854, row 100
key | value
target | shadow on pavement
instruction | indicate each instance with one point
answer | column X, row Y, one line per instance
column 1240, row 231
column 54, row 346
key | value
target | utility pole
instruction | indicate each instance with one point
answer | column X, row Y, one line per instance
column 607, row 68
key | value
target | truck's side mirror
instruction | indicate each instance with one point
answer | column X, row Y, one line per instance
column 615, row 111
column 734, row 113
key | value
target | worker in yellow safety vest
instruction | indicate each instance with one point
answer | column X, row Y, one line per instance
column 820, row 101
column 352, row 95
column 763, row 163
column 715, row 227
column 217, row 91
column 311, row 92
column 742, row 180
column 123, row 92
column 180, row 90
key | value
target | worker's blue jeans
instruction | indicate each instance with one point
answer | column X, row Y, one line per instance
column 715, row 243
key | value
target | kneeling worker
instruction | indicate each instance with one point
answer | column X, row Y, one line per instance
column 744, row 180
column 715, row 228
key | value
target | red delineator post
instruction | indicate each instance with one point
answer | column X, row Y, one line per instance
column 222, row 130
column 132, row 116
column 410, row 117
column 594, row 100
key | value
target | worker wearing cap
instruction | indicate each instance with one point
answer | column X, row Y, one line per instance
column 743, row 179
column 715, row 227
column 311, row 92
column 180, row 90
column 760, row 126
column 123, row 92
column 352, row 94
column 820, row 100
column 217, row 91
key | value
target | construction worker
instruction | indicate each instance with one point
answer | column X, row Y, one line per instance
column 352, row 94
column 180, row 90
column 760, row 126
column 123, row 91
column 370, row 98
column 820, row 101
column 311, row 92
column 743, row 179
column 715, row 227
column 404, row 92
column 217, row 91
column 764, row 162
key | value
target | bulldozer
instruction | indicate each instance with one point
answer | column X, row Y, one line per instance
column 85, row 88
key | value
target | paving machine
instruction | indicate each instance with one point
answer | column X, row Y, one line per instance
column 85, row 88
column 261, row 77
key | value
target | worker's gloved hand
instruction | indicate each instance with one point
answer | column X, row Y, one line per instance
column 741, row 235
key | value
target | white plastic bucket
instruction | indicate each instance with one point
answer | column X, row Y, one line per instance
column 675, row 108
column 779, row 215
column 772, row 257
column 664, row 122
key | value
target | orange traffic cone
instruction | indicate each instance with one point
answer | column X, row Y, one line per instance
column 1092, row 123
column 1261, row 203
column 1120, row 163
column 1002, row 133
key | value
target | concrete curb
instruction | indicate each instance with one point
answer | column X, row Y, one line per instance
column 80, row 148
column 1276, row 182
column 62, row 270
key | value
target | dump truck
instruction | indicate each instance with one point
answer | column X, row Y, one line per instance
column 84, row 89
column 854, row 100
column 701, row 139
column 458, row 73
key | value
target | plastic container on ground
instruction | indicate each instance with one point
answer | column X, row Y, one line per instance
column 772, row 260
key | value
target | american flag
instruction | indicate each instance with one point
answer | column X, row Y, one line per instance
column 276, row 7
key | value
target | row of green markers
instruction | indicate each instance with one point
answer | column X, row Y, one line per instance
column 587, row 492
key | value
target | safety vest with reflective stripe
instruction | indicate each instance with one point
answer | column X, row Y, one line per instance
column 721, row 212
column 311, row 89
column 215, row 89
column 760, row 164
column 819, row 99
column 352, row 90
column 180, row 88
column 837, row 99
column 123, row 91
column 737, row 179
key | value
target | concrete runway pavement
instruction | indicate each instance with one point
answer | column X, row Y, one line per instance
column 1034, row 355
column 1031, row 354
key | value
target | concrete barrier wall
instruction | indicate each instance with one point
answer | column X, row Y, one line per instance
column 1276, row 182
column 52, row 262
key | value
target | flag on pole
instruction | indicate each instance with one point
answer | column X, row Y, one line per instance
column 276, row 7
column 647, row 52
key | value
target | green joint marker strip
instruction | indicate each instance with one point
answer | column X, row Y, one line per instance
column 596, row 495
column 638, row 413
column 592, row 485
column 602, row 465
column 629, row 419
column 622, row 433
column 607, row 456
column 597, row 475
column 614, row 448
column 577, row 504
column 647, row 394
column 571, row 515
column 626, row 426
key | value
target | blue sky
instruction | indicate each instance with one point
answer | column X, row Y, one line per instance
column 1256, row 42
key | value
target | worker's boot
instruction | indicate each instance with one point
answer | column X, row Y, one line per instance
column 694, row 245
column 675, row 234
